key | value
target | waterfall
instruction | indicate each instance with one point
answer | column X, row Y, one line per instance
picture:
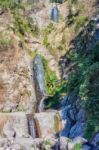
column 40, row 74
column 41, row 105
column 31, row 126
column 41, row 91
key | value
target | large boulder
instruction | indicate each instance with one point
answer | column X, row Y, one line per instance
column 95, row 141
column 77, row 130
column 81, row 116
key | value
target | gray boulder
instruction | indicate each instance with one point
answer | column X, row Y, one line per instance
column 77, row 130
column 81, row 116
column 95, row 141
column 86, row 147
column 66, row 130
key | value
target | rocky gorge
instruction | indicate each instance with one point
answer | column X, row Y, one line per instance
column 40, row 107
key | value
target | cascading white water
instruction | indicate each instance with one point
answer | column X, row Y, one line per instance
column 41, row 105
column 40, row 74
column 40, row 77
column 32, row 127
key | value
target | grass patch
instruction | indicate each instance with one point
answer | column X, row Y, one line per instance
column 5, row 42
column 78, row 146
column 56, row 89
column 46, row 32
column 80, row 22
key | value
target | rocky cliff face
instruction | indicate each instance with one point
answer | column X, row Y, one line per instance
column 30, row 42
column 15, row 82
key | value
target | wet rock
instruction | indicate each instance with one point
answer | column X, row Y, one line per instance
column 78, row 104
column 77, row 130
column 64, row 101
column 86, row 147
column 95, row 141
column 72, row 114
column 64, row 112
column 71, row 98
column 81, row 116
column 68, row 100
column 66, row 129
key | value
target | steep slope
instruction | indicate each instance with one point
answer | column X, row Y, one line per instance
column 49, row 75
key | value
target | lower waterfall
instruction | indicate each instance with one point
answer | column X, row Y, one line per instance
column 31, row 126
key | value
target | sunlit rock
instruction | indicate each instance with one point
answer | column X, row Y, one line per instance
column 13, row 125
column 48, row 123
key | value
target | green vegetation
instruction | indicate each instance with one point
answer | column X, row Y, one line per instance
column 80, row 22
column 52, row 83
column 51, row 79
column 21, row 25
column 7, row 4
column 46, row 32
column 24, row 25
column 47, row 142
column 84, row 80
column 56, row 89
column 5, row 42
column 56, row 122
column 78, row 146
column 74, row 17
column 33, row 27
column 57, row 1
